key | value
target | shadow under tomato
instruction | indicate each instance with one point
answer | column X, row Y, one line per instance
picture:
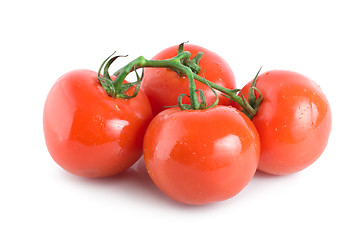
column 135, row 183
column 138, row 179
column 263, row 175
column 264, row 183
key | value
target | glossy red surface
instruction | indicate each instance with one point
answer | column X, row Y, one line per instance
column 293, row 121
column 201, row 156
column 89, row 133
column 163, row 86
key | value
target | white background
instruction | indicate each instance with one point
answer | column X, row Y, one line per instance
column 41, row 40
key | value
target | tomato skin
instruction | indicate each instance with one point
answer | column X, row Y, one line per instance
column 87, row 132
column 201, row 156
column 163, row 86
column 293, row 121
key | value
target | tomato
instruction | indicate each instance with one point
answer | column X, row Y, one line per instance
column 163, row 86
column 293, row 121
column 201, row 156
column 89, row 133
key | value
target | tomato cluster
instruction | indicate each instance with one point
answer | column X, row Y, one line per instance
column 278, row 123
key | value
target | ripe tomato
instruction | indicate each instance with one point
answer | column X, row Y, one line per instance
column 87, row 132
column 163, row 86
column 201, row 156
column 293, row 121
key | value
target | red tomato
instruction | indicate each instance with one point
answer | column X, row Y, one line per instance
column 87, row 132
column 293, row 121
column 163, row 86
column 201, row 156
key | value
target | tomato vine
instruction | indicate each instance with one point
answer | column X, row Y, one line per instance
column 184, row 66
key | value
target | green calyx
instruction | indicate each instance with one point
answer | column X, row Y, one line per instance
column 252, row 100
column 191, row 63
column 202, row 103
column 250, row 107
column 183, row 65
column 117, row 90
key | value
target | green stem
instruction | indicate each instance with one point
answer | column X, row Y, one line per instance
column 173, row 63
column 185, row 67
column 232, row 94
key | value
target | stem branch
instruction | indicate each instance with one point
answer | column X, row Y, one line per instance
column 172, row 63
column 183, row 65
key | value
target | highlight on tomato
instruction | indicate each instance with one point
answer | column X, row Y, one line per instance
column 201, row 156
column 293, row 121
column 90, row 133
column 199, row 151
column 163, row 85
